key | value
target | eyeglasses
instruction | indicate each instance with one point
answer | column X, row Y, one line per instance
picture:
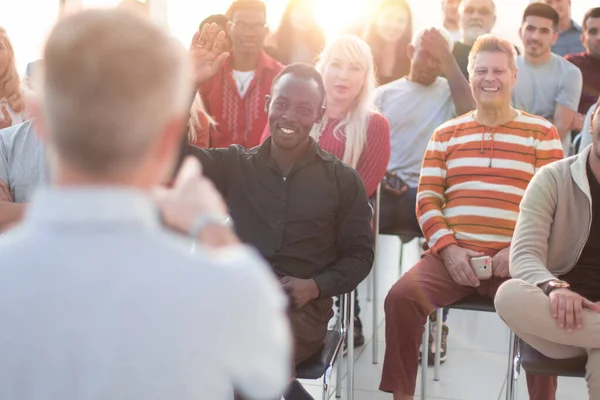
column 245, row 27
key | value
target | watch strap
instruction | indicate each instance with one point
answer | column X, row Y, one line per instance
column 205, row 219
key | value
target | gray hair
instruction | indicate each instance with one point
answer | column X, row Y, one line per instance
column 111, row 83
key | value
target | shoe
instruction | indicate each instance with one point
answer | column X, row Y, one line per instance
column 432, row 317
column 443, row 344
column 359, row 338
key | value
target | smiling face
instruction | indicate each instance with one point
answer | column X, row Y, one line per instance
column 538, row 36
column 492, row 79
column 295, row 105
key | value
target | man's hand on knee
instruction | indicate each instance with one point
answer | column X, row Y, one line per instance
column 456, row 260
column 300, row 291
column 567, row 307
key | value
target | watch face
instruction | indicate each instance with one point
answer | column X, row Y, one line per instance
column 559, row 284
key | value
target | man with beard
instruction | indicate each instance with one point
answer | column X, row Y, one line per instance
column 305, row 211
column 547, row 84
column 553, row 302
column 476, row 17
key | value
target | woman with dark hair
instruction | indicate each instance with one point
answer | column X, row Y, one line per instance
column 298, row 38
column 389, row 33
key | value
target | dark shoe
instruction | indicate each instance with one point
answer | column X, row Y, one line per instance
column 443, row 345
column 359, row 338
column 297, row 392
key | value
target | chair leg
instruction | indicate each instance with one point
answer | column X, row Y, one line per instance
column 438, row 343
column 400, row 258
column 369, row 283
column 350, row 360
column 514, row 367
column 374, row 274
column 424, row 355
column 326, row 378
column 338, row 378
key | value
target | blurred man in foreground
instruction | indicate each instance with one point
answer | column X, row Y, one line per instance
column 98, row 298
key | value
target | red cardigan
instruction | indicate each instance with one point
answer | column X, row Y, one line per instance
column 239, row 120
column 374, row 159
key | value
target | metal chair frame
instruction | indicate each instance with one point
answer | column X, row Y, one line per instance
column 345, row 328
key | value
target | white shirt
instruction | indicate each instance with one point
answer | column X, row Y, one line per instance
column 99, row 301
column 414, row 112
column 242, row 80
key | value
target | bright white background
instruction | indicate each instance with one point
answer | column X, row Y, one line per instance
column 29, row 21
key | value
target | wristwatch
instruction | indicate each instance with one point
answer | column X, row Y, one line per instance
column 205, row 219
column 556, row 284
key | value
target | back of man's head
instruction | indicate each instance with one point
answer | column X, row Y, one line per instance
column 113, row 83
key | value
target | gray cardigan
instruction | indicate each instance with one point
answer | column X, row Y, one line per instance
column 554, row 222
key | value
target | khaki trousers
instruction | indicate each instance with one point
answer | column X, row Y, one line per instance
column 526, row 310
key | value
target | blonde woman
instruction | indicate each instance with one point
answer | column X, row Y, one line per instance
column 12, row 96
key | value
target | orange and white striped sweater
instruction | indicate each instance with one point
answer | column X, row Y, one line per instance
column 473, row 178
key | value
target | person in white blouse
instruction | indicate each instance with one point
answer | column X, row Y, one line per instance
column 12, row 95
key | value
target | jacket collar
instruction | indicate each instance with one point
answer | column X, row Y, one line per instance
column 579, row 171
column 266, row 63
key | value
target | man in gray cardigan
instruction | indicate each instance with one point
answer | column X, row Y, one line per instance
column 553, row 301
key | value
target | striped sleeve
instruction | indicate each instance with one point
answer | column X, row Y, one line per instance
column 549, row 148
column 374, row 158
column 430, row 194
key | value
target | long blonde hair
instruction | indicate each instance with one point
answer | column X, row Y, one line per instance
column 10, row 84
column 355, row 123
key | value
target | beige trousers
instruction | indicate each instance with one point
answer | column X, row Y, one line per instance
column 526, row 310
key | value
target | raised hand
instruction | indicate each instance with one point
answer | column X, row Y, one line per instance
column 436, row 45
column 5, row 193
column 6, row 119
column 207, row 53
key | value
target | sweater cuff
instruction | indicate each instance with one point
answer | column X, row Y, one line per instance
column 442, row 243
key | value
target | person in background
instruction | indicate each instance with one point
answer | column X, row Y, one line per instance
column 553, row 302
column 569, row 32
column 476, row 18
column 547, row 84
column 389, row 32
column 234, row 97
column 125, row 304
column 23, row 169
column 427, row 100
column 30, row 71
column 588, row 62
column 474, row 173
column 451, row 18
column 200, row 122
column 13, row 107
column 298, row 38
column 352, row 129
column 302, row 208
column 586, row 131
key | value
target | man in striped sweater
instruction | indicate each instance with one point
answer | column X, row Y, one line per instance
column 475, row 171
